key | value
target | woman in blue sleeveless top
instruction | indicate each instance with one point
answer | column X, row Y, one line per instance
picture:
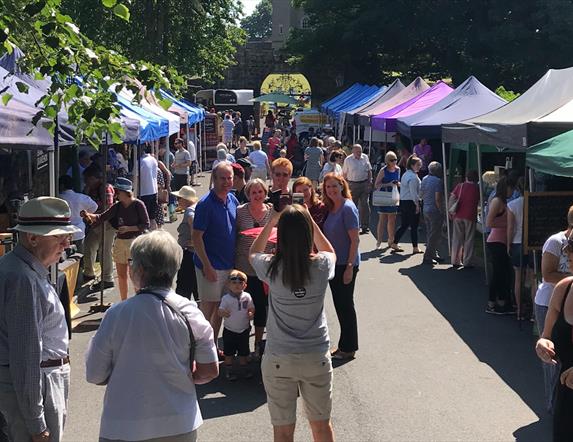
column 388, row 177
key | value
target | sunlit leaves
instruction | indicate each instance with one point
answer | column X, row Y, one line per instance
column 81, row 72
column 121, row 11
column 6, row 98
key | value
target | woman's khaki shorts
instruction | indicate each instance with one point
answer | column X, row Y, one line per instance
column 285, row 375
column 211, row 291
column 121, row 250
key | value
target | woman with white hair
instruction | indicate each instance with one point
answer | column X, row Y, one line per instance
column 223, row 155
column 150, row 351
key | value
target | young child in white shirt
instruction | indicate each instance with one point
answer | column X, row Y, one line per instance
column 237, row 309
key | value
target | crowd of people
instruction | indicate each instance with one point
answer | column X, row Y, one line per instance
column 256, row 248
column 231, row 257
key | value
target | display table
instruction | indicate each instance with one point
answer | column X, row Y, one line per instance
column 4, row 236
column 70, row 268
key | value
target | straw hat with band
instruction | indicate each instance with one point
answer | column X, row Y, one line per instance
column 45, row 216
column 187, row 193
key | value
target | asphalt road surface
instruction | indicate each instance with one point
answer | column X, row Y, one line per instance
column 432, row 366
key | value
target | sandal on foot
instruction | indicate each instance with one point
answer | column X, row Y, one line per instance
column 342, row 355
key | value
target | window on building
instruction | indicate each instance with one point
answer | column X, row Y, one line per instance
column 281, row 29
column 305, row 23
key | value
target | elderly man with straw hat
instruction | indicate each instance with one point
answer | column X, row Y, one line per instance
column 34, row 362
column 187, row 277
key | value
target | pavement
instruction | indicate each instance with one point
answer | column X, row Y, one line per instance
column 432, row 365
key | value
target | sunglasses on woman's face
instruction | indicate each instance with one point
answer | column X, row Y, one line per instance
column 392, row 160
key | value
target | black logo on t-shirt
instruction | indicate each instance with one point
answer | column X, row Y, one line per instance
column 300, row 293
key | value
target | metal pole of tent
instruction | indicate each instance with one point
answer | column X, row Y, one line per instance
column 52, row 171
column 353, row 134
column 370, row 142
column 53, row 191
column 197, row 127
column 52, row 180
column 482, row 213
column 136, row 168
column 203, row 147
column 532, row 189
column 447, row 197
column 101, row 307
column 197, row 144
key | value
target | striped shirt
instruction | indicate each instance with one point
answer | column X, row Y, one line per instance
column 245, row 221
column 32, row 329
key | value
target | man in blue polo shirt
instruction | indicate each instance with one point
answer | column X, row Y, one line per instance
column 214, row 234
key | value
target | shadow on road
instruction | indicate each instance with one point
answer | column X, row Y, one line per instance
column 498, row 341
column 221, row 397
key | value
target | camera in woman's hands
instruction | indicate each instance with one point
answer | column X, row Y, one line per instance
column 281, row 200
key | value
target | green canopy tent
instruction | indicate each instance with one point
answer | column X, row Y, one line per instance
column 275, row 98
column 553, row 156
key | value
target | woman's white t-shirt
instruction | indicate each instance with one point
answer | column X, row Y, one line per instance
column 553, row 245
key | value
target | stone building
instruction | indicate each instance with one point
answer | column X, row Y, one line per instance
column 285, row 17
column 257, row 59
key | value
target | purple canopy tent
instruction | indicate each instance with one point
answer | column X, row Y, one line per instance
column 386, row 121
column 412, row 90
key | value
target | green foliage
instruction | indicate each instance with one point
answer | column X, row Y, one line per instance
column 511, row 42
column 196, row 37
column 259, row 25
column 505, row 94
column 55, row 48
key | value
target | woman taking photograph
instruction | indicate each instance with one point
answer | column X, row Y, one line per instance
column 342, row 228
column 499, row 302
column 296, row 358
column 129, row 217
column 409, row 204
column 251, row 215
column 555, row 347
column 388, row 177
column 317, row 209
